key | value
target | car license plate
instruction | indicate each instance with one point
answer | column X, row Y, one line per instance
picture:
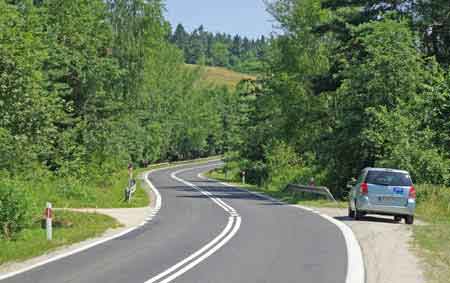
column 387, row 198
column 398, row 191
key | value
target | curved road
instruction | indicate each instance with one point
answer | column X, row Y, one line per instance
column 217, row 234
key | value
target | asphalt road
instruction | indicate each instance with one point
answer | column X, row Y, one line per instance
column 241, row 238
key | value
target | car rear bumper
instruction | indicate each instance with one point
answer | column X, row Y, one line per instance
column 363, row 204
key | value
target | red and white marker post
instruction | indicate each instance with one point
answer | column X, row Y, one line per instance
column 48, row 220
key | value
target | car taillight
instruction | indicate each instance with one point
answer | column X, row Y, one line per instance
column 364, row 189
column 412, row 193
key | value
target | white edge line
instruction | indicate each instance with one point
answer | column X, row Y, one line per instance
column 355, row 261
column 99, row 242
column 8, row 275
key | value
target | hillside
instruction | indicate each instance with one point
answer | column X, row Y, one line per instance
column 221, row 76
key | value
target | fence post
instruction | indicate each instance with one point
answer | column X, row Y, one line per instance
column 48, row 221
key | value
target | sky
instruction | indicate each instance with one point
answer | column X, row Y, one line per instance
column 244, row 17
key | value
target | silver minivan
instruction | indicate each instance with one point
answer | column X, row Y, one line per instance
column 383, row 191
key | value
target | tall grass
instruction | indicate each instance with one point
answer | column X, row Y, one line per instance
column 433, row 203
column 72, row 192
column 433, row 238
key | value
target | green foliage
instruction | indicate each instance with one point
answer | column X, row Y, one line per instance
column 205, row 48
column 16, row 210
column 87, row 87
column 70, row 228
column 433, row 203
column 348, row 85
column 282, row 164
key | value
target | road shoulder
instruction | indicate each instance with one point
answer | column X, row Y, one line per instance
column 387, row 247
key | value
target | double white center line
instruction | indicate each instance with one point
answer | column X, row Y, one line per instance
column 234, row 222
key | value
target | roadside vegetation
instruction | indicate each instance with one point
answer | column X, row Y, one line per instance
column 432, row 239
column 348, row 85
column 306, row 199
column 87, row 87
column 69, row 228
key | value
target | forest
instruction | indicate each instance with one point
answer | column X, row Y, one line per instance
column 348, row 85
column 86, row 87
column 236, row 52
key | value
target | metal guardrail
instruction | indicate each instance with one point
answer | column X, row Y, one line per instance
column 324, row 191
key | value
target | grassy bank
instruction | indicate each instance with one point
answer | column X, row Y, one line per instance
column 102, row 193
column 74, row 227
column 107, row 194
column 432, row 240
column 287, row 197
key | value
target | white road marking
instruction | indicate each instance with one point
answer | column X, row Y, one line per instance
column 196, row 254
column 99, row 242
column 355, row 262
column 206, row 255
column 234, row 223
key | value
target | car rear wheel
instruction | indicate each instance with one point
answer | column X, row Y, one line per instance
column 351, row 213
column 358, row 215
column 409, row 219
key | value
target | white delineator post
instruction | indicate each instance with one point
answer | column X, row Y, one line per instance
column 48, row 221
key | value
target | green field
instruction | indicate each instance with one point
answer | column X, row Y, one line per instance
column 218, row 76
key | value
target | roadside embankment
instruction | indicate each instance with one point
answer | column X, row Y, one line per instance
column 69, row 227
column 432, row 241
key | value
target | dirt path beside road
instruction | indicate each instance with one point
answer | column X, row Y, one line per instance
column 386, row 245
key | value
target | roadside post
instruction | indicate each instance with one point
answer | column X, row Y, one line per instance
column 131, row 188
column 243, row 177
column 48, row 221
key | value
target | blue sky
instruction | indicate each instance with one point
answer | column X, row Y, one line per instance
column 244, row 17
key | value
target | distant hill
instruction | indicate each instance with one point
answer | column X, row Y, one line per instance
column 221, row 76
column 234, row 52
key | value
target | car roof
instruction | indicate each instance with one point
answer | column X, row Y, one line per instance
column 386, row 170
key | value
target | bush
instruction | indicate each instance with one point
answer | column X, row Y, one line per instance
column 16, row 210
column 283, row 166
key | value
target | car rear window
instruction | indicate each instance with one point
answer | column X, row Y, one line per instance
column 388, row 178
